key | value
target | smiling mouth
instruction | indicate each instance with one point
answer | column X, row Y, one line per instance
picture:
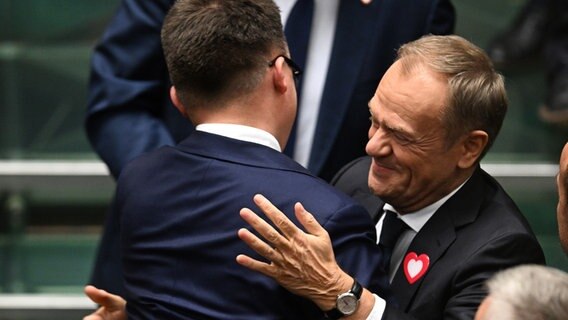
column 380, row 168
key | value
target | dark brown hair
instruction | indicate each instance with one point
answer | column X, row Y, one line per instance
column 217, row 50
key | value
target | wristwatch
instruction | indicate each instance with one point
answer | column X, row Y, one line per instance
column 346, row 303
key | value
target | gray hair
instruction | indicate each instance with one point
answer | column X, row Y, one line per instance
column 528, row 292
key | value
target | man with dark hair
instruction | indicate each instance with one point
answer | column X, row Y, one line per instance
column 435, row 114
column 233, row 78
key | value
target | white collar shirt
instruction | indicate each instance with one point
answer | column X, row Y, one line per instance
column 242, row 133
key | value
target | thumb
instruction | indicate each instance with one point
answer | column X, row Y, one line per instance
column 101, row 297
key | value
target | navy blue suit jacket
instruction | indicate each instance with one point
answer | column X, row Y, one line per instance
column 179, row 210
column 476, row 233
column 129, row 109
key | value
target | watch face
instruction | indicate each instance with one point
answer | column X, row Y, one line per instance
column 347, row 303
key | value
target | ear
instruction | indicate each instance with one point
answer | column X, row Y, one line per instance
column 472, row 147
column 177, row 102
column 279, row 76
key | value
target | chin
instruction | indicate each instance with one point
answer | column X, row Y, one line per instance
column 377, row 188
column 386, row 192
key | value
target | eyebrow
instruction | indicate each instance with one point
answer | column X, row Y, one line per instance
column 386, row 125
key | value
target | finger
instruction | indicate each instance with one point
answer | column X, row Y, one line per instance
column 264, row 229
column 307, row 220
column 98, row 296
column 104, row 298
column 366, row 2
column 95, row 316
column 280, row 220
column 254, row 265
column 258, row 245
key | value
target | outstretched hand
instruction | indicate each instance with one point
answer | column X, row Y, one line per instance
column 113, row 307
column 302, row 262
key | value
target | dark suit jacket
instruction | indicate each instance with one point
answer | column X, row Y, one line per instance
column 129, row 109
column 476, row 233
column 179, row 210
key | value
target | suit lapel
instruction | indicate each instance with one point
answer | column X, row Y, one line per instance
column 438, row 234
column 433, row 240
column 355, row 26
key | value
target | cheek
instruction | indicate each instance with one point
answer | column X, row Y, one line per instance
column 413, row 170
column 424, row 170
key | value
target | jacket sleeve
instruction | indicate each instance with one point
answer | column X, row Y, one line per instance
column 353, row 238
column 129, row 86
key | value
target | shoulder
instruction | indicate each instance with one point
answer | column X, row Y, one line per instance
column 500, row 210
column 500, row 230
column 352, row 179
column 353, row 175
column 147, row 164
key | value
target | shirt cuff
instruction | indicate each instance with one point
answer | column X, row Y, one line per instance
column 378, row 309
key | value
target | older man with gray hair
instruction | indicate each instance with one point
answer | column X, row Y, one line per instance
column 529, row 292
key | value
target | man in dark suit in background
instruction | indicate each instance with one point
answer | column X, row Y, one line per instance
column 129, row 82
column 436, row 112
column 178, row 206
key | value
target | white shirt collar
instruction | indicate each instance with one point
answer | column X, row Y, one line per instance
column 416, row 220
column 241, row 132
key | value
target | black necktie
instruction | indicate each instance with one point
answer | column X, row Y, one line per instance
column 297, row 30
column 391, row 231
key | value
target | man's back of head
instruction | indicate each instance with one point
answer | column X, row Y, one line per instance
column 217, row 50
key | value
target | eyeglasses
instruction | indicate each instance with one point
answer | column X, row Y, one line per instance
column 296, row 70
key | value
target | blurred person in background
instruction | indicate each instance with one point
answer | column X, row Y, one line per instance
column 541, row 28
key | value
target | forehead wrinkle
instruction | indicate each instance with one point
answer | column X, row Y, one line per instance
column 394, row 125
column 421, row 88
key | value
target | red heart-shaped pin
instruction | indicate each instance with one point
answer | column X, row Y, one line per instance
column 415, row 266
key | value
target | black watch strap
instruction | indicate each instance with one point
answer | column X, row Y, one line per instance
column 335, row 314
column 357, row 289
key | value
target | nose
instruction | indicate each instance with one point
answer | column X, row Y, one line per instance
column 379, row 144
